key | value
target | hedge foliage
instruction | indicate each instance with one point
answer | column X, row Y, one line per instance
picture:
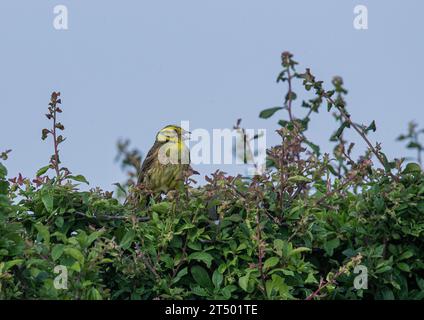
column 296, row 232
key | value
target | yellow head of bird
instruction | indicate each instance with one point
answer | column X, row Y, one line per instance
column 173, row 134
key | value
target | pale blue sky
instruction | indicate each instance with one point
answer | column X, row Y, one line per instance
column 127, row 68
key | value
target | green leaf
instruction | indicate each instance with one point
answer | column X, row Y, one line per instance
column 244, row 282
column 414, row 145
column 179, row 275
column 412, row 168
column 283, row 123
column 271, row 262
column 330, row 93
column 383, row 269
column 315, row 148
column 281, row 76
column 201, row 276
column 372, row 127
column 217, row 279
column 127, row 239
column 3, row 171
column 222, row 267
column 311, row 279
column 11, row 263
column 300, row 250
column 291, row 96
column 339, row 131
column 92, row 237
column 4, row 187
column 420, row 283
column 278, row 245
column 387, row 294
column 76, row 266
column 226, row 293
column 57, row 251
column 332, row 170
column 79, row 178
column 94, row 294
column 277, row 286
column 299, row 179
column 47, row 199
column 59, row 222
column 386, row 163
column 401, row 137
column 406, row 255
column 42, row 170
column 75, row 253
column 403, row 266
column 161, row 207
column 43, row 232
column 201, row 256
column 288, row 272
column 199, row 291
column 267, row 113
column 329, row 246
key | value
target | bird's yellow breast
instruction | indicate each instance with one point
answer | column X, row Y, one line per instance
column 164, row 177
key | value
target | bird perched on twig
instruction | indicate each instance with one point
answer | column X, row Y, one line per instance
column 168, row 161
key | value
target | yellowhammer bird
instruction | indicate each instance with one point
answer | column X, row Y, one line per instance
column 167, row 162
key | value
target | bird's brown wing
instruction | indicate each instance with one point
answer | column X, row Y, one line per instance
column 148, row 161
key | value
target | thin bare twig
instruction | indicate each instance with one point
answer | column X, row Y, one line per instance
column 260, row 247
column 347, row 118
column 146, row 262
column 343, row 269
